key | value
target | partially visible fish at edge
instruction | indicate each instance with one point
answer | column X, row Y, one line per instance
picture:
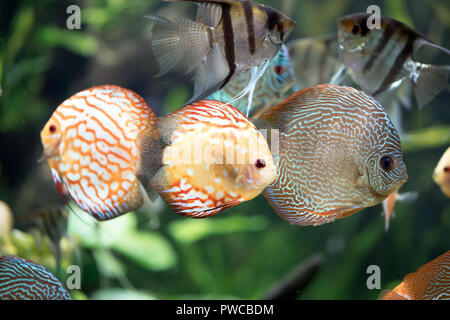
column 429, row 282
column 441, row 174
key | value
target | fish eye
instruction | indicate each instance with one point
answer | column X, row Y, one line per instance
column 260, row 163
column 52, row 128
column 356, row 29
column 278, row 69
column 447, row 169
column 386, row 163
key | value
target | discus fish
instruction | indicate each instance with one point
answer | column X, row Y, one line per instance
column 441, row 174
column 338, row 154
column 270, row 90
column 429, row 282
column 22, row 279
column 6, row 220
column 389, row 204
column 229, row 37
column 90, row 143
column 213, row 158
column 315, row 60
column 381, row 59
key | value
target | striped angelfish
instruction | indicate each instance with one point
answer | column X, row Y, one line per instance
column 270, row 90
column 91, row 144
column 429, row 282
column 228, row 38
column 338, row 154
column 315, row 60
column 379, row 60
column 51, row 222
column 22, row 279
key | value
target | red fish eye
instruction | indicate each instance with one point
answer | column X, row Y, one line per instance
column 387, row 163
column 260, row 163
column 356, row 29
column 52, row 128
column 447, row 169
column 278, row 69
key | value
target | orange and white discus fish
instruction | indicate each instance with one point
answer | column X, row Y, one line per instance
column 90, row 143
column 441, row 174
column 338, row 154
column 213, row 158
column 429, row 282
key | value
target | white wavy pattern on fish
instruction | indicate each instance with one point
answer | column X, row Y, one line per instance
column 331, row 120
column 98, row 166
column 21, row 279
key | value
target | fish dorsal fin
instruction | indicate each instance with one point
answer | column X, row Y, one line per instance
column 428, row 43
column 279, row 116
column 209, row 14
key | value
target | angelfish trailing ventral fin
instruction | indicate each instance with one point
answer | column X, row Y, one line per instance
column 428, row 82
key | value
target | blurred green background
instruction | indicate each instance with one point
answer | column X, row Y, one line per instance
column 242, row 252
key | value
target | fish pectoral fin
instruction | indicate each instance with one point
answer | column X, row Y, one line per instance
column 390, row 295
column 226, row 169
column 431, row 80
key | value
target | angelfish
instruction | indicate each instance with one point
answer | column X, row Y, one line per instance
column 91, row 145
column 229, row 37
column 338, row 154
column 379, row 60
column 212, row 158
column 270, row 90
column 429, row 282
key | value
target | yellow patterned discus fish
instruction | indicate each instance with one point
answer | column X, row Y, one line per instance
column 429, row 282
column 338, row 154
column 91, row 145
column 441, row 174
column 213, row 158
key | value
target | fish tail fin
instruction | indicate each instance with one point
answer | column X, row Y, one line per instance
column 431, row 80
column 149, row 162
column 173, row 40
